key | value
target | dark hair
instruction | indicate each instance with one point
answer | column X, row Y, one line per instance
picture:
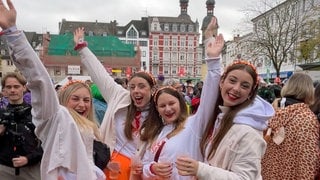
column 153, row 124
column 119, row 81
column 227, row 120
column 132, row 108
column 315, row 107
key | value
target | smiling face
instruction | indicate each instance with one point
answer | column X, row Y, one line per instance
column 80, row 101
column 236, row 87
column 77, row 96
column 168, row 107
column 140, row 91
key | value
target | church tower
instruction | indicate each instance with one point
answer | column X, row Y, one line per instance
column 210, row 13
column 184, row 9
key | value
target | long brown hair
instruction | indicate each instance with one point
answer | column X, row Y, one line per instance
column 132, row 108
column 153, row 124
column 227, row 120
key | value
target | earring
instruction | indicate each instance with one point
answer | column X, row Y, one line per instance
column 163, row 121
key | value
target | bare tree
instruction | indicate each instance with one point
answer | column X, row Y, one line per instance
column 277, row 27
column 310, row 42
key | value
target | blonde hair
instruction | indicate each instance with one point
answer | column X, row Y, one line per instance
column 86, row 123
column 300, row 87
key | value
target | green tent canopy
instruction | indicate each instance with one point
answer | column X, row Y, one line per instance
column 62, row 45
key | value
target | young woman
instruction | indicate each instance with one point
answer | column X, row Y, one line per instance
column 293, row 151
column 169, row 132
column 232, row 143
column 66, row 130
column 126, row 111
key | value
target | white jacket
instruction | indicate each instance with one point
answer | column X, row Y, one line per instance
column 63, row 145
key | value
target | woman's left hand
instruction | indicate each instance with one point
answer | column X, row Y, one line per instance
column 78, row 35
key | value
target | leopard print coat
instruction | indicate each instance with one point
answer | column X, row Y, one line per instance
column 298, row 155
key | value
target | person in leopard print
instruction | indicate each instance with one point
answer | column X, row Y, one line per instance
column 293, row 150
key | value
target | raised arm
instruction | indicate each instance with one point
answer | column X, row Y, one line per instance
column 211, row 83
column 106, row 84
column 64, row 150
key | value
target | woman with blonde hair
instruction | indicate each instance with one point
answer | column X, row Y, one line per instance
column 66, row 130
column 293, row 135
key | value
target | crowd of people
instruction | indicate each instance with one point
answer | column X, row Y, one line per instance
column 147, row 131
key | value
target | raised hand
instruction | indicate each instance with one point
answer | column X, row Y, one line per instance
column 215, row 47
column 78, row 35
column 7, row 16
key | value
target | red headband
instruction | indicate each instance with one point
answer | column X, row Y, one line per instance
column 71, row 82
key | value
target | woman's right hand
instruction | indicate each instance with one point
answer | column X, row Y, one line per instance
column 187, row 166
column 214, row 48
column 163, row 170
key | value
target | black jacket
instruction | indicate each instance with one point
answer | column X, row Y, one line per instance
column 19, row 138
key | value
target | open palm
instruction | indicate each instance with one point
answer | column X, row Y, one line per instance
column 7, row 16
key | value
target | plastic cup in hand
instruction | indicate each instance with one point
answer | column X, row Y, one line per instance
column 135, row 163
column 114, row 168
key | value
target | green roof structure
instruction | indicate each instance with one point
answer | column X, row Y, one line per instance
column 61, row 45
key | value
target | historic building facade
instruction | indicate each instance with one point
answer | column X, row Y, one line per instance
column 174, row 46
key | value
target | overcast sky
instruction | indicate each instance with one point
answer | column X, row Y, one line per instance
column 45, row 15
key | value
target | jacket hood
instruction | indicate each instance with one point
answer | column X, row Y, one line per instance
column 256, row 115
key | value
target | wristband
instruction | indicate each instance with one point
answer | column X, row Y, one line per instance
column 80, row 45
column 150, row 168
column 8, row 30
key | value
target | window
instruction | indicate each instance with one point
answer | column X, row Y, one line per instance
column 190, row 57
column 182, row 28
column 166, row 70
column 143, row 33
column 155, row 69
column 119, row 32
column 182, row 41
column 90, row 33
column 166, row 56
column 132, row 42
column 166, row 27
column 182, row 56
column 166, row 41
column 155, row 27
column 174, row 70
column 144, row 53
column 3, row 52
column 9, row 63
column 57, row 71
column 174, row 56
column 143, row 43
column 174, row 28
column 174, row 41
column 155, row 56
column 132, row 33
column 190, row 70
column 155, row 41
column 190, row 28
